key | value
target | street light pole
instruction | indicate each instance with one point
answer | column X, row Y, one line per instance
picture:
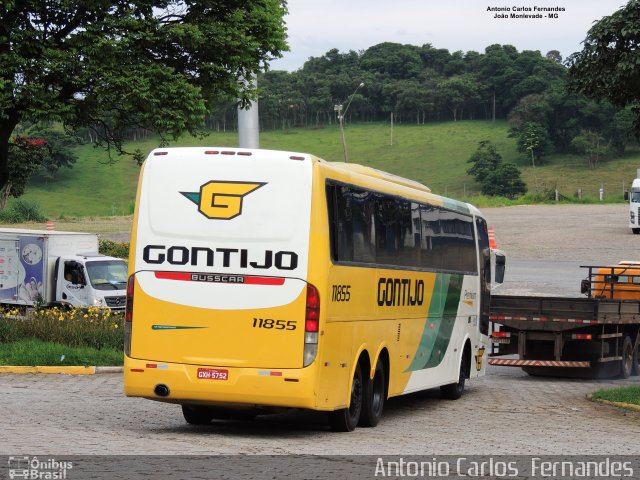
column 341, row 115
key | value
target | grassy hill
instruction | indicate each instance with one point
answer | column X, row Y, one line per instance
column 434, row 154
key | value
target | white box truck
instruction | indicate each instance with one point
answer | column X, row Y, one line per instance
column 58, row 268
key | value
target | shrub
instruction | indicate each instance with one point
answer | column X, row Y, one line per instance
column 92, row 327
column 113, row 249
column 22, row 211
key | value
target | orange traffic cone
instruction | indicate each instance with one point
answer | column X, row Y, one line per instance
column 492, row 238
column 50, row 225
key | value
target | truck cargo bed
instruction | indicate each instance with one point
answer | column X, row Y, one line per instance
column 561, row 313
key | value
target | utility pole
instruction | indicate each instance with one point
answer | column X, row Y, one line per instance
column 341, row 114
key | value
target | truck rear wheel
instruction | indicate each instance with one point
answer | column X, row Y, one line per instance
column 626, row 364
column 635, row 367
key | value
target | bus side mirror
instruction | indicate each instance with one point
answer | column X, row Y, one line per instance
column 626, row 195
column 501, row 262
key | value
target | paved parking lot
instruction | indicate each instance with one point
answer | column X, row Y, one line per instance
column 506, row 412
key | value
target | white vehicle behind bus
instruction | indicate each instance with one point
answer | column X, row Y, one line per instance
column 45, row 268
column 634, row 204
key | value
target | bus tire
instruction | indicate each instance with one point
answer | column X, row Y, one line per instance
column 626, row 364
column 374, row 397
column 346, row 419
column 635, row 367
column 454, row 391
column 197, row 414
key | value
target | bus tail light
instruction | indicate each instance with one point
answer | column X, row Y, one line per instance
column 128, row 316
column 311, row 325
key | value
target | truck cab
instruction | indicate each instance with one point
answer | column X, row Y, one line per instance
column 634, row 206
column 91, row 280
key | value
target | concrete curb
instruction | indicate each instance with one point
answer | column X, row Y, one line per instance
column 628, row 406
column 59, row 370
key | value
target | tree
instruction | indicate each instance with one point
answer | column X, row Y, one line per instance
column 113, row 66
column 393, row 60
column 554, row 56
column 485, row 159
column 495, row 177
column 504, row 181
column 26, row 155
column 58, row 150
column 457, row 92
column 592, row 144
column 609, row 64
column 619, row 131
column 532, row 139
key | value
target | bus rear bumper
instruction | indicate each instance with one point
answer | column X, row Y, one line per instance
column 292, row 388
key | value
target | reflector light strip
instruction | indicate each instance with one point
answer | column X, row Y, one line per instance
column 498, row 318
column 219, row 278
column 161, row 366
column 504, row 340
column 537, row 363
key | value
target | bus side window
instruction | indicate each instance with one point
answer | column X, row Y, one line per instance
column 362, row 226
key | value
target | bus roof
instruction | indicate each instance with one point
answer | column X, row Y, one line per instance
column 402, row 186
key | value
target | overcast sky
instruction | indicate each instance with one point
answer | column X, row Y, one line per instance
column 316, row 26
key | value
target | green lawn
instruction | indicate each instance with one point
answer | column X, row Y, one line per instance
column 630, row 395
column 37, row 352
column 435, row 154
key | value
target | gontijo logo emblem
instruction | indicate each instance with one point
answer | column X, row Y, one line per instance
column 220, row 199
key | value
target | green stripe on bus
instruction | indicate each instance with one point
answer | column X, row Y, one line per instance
column 439, row 325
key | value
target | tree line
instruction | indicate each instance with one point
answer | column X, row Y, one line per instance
column 420, row 84
column 119, row 70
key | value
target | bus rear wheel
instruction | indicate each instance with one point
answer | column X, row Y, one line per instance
column 346, row 419
column 454, row 391
column 197, row 414
column 375, row 393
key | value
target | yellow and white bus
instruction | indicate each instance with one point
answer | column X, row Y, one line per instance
column 264, row 279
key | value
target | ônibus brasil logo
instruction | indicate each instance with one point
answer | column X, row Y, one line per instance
column 222, row 200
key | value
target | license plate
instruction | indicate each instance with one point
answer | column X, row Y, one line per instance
column 213, row 374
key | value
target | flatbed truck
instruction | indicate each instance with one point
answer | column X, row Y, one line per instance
column 593, row 336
